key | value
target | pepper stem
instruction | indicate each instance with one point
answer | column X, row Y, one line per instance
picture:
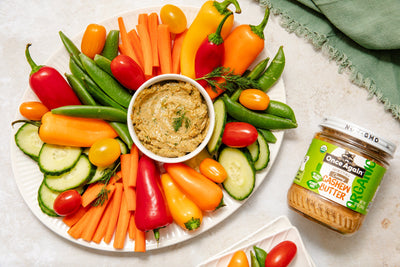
column 259, row 30
column 33, row 65
column 156, row 234
column 216, row 37
column 222, row 7
column 35, row 123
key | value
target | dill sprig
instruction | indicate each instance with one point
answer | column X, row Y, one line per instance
column 102, row 197
column 231, row 83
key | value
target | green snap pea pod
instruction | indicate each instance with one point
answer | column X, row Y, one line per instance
column 261, row 255
column 80, row 89
column 69, row 45
column 258, row 120
column 281, row 109
column 110, row 49
column 253, row 260
column 71, row 48
column 94, row 90
column 268, row 135
column 235, row 96
column 259, row 69
column 273, row 72
column 106, row 82
column 104, row 63
column 94, row 112
column 123, row 132
column 100, row 96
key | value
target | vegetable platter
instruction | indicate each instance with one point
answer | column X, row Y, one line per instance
column 28, row 176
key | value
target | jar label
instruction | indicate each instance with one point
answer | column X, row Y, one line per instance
column 337, row 174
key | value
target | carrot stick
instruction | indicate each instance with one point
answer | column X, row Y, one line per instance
column 126, row 45
column 130, row 195
column 122, row 224
column 102, row 227
column 140, row 241
column 95, row 217
column 164, row 48
column 93, row 191
column 132, row 226
column 75, row 217
column 77, row 229
column 125, row 160
column 134, row 160
column 143, row 19
column 153, row 25
column 146, row 47
column 137, row 46
column 176, row 52
column 116, row 205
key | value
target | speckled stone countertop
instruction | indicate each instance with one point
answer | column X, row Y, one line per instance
column 314, row 89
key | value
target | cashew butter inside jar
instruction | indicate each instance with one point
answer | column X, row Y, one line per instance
column 340, row 174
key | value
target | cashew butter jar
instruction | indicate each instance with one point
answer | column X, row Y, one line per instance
column 340, row 174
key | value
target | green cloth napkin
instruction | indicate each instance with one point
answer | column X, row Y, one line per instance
column 362, row 36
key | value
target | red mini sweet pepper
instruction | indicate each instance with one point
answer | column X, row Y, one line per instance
column 210, row 54
column 49, row 85
column 152, row 212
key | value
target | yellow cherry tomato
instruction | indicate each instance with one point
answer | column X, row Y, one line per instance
column 239, row 259
column 33, row 110
column 213, row 170
column 174, row 17
column 254, row 99
column 93, row 40
column 104, row 152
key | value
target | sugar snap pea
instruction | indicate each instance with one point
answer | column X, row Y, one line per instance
column 80, row 89
column 261, row 255
column 259, row 69
column 273, row 71
column 110, row 49
column 106, row 82
column 281, row 109
column 259, row 120
column 104, row 63
column 69, row 45
column 95, row 112
column 123, row 132
column 268, row 135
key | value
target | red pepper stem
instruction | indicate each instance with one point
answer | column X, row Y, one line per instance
column 259, row 30
column 156, row 234
column 222, row 7
column 216, row 38
column 33, row 65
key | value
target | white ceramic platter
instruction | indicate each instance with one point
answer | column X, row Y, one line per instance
column 28, row 177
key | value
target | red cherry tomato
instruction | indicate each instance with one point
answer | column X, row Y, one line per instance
column 68, row 202
column 239, row 134
column 281, row 255
column 127, row 72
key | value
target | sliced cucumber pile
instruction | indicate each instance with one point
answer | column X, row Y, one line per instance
column 55, row 159
column 241, row 178
column 80, row 174
column 28, row 140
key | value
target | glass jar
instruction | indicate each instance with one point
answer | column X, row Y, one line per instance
column 340, row 174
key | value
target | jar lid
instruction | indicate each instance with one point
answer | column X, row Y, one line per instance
column 360, row 133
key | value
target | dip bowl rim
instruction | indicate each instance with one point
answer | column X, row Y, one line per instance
column 211, row 114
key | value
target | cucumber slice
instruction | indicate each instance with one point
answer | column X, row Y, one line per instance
column 241, row 174
column 101, row 173
column 46, row 199
column 79, row 175
column 263, row 159
column 55, row 159
column 220, row 120
column 254, row 150
column 28, row 140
